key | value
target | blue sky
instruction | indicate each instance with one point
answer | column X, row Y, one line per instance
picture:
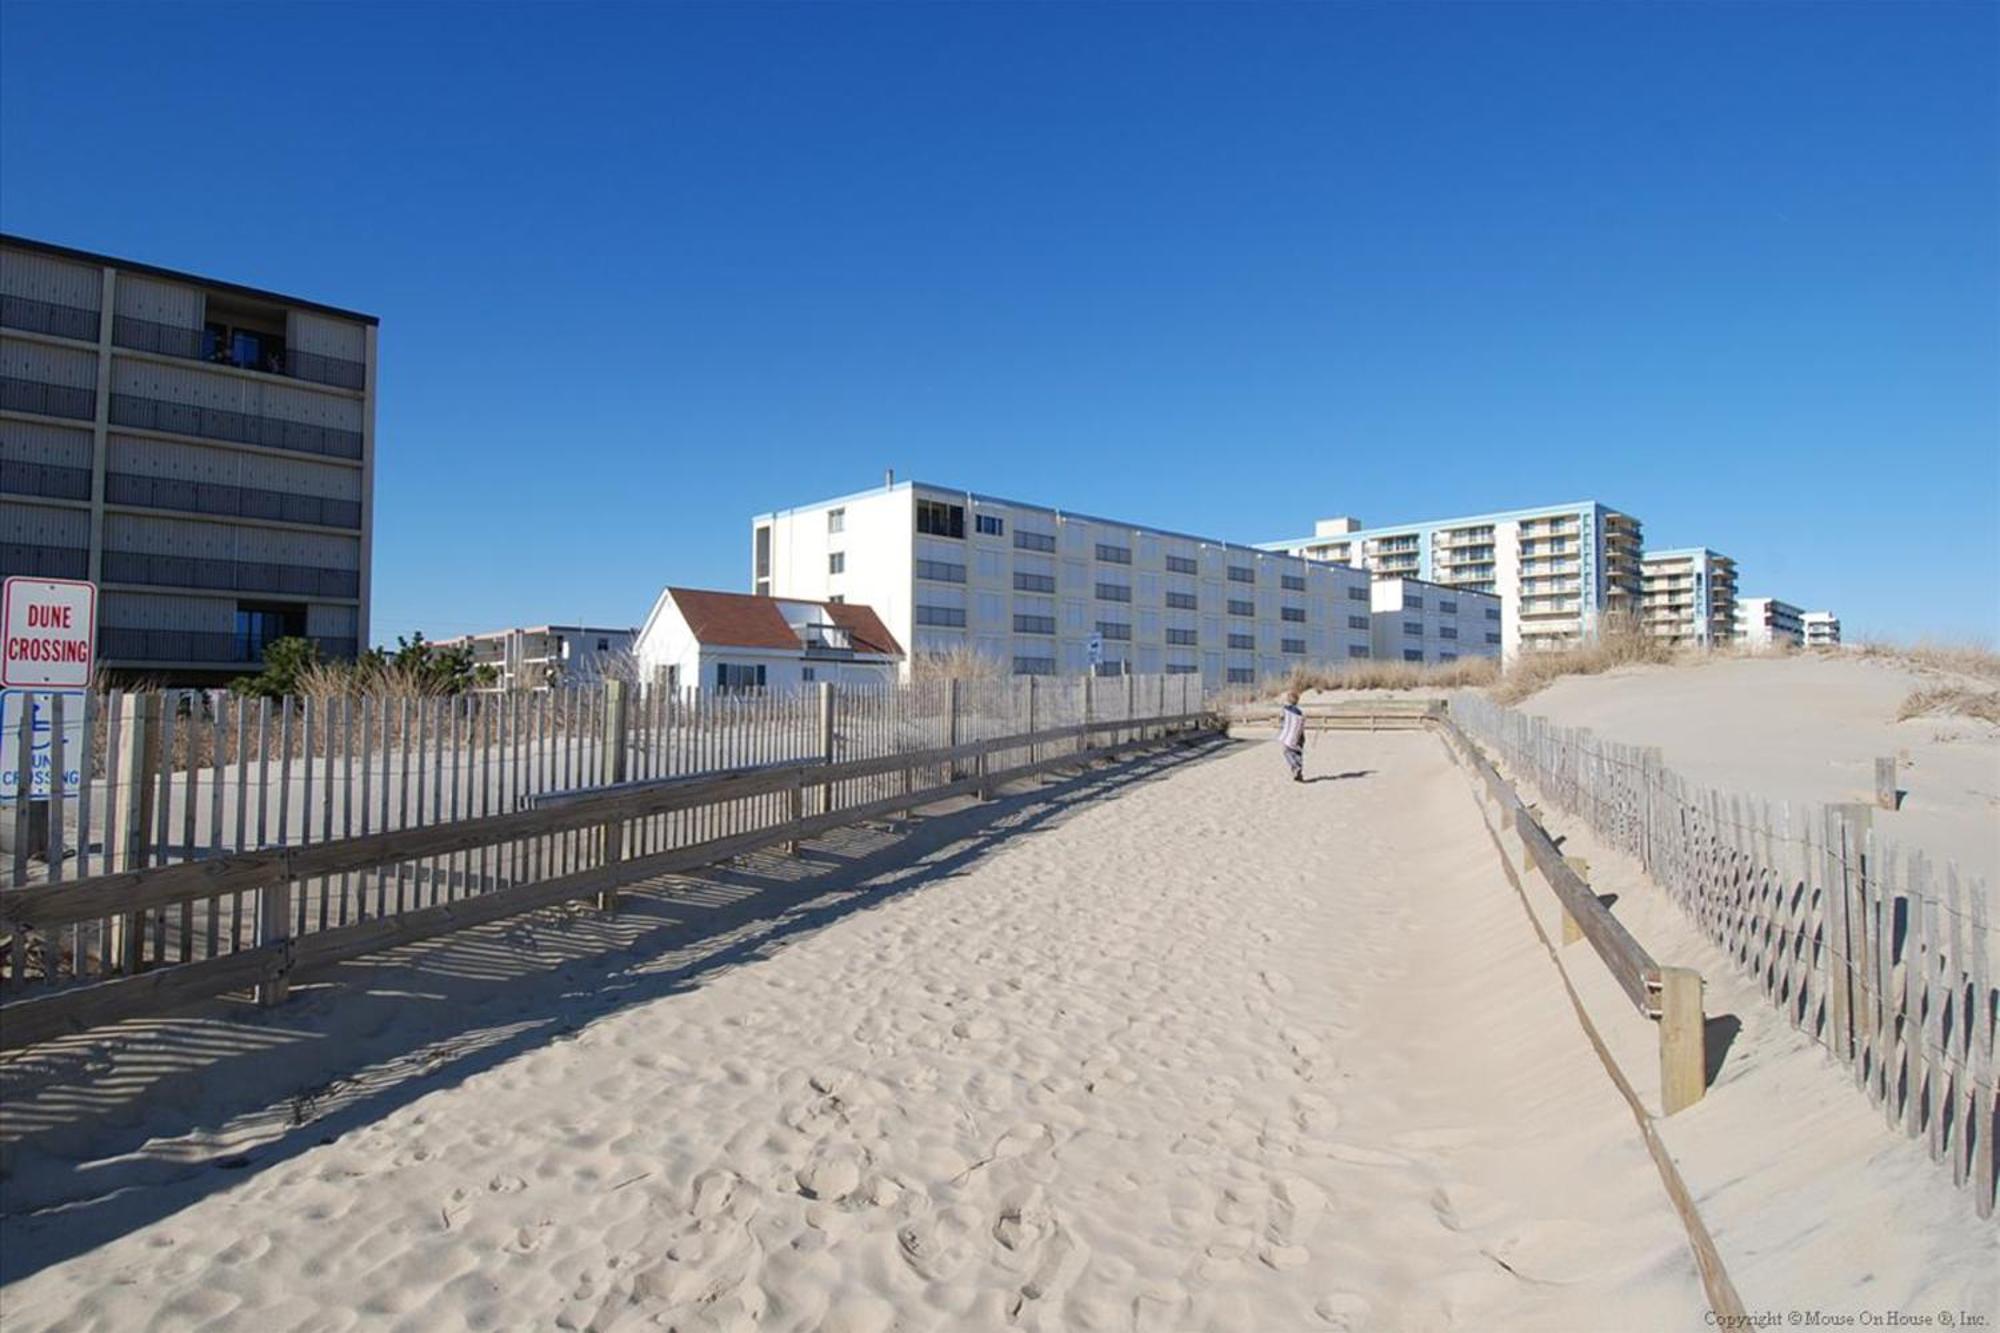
column 644, row 271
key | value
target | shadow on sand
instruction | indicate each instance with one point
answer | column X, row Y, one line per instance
column 108, row 1131
column 1343, row 777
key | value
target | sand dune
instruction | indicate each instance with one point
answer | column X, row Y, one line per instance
column 1219, row 1052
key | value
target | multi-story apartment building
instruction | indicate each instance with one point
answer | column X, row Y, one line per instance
column 202, row 451
column 1689, row 596
column 1045, row 591
column 541, row 656
column 1821, row 629
column 1766, row 622
column 1558, row 570
column 1415, row 621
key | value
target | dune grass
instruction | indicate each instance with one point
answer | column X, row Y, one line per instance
column 1951, row 701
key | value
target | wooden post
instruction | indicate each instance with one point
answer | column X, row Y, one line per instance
column 1087, row 687
column 1571, row 931
column 826, row 739
column 951, row 727
column 984, row 791
column 617, row 702
column 1885, row 783
column 1131, row 707
column 1031, row 717
column 1683, row 1040
column 137, row 760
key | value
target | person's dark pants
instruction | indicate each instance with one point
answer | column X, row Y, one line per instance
column 1296, row 761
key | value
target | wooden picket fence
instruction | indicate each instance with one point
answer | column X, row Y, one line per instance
column 213, row 842
column 1872, row 950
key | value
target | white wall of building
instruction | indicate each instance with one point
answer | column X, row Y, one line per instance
column 668, row 654
column 1418, row 621
column 1766, row 622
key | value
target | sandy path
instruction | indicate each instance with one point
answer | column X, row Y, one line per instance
column 1221, row 1052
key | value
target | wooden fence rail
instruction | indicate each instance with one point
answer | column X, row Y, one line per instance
column 512, row 818
column 1872, row 950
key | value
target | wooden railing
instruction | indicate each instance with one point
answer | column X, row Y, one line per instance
column 599, row 818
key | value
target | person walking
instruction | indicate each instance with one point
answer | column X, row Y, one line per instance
column 1292, row 735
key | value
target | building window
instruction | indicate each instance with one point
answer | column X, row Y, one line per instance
column 1034, row 624
column 1293, row 645
column 1447, row 657
column 935, row 518
column 1114, row 555
column 731, row 678
column 1242, row 574
column 604, row 645
column 1180, row 601
column 836, row 520
column 1357, row 594
column 1357, row 622
column 763, row 561
column 1357, row 650
column 940, row 571
column 1242, row 675
column 1450, row 608
column 1034, row 666
column 1413, row 654
column 1492, row 613
column 836, row 599
column 1413, row 601
column 1183, row 638
column 1180, row 564
column 950, row 617
column 259, row 625
column 1295, row 614
column 1114, row 629
column 1248, row 641
column 988, row 525
column 1033, row 541
column 1414, row 627
column 1492, row 637
column 1237, row 608
column 1114, row 592
column 836, row 563
column 1034, row 582
column 1447, row 632
column 808, row 674
column 1181, row 669
column 1292, row 582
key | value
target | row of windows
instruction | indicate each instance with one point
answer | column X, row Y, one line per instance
column 1357, row 622
column 1181, row 637
column 1114, row 629
column 1292, row 582
column 1114, row 555
column 1180, row 564
column 1293, row 645
column 1034, row 624
column 1034, row 666
column 952, row 617
column 1293, row 613
column 1242, row 641
column 1033, row 541
column 1242, row 675
column 1114, row 592
column 1181, row 601
column 939, row 571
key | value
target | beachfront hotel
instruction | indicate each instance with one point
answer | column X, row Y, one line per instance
column 1046, row 591
column 540, row 657
column 1557, row 570
column 1689, row 596
column 1766, row 622
column 202, row 451
column 1415, row 621
column 1821, row 629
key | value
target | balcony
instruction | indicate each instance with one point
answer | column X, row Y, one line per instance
column 243, row 349
column 181, row 645
column 61, row 321
column 49, row 479
column 199, row 497
column 212, row 423
column 49, row 400
column 44, row 562
column 179, row 571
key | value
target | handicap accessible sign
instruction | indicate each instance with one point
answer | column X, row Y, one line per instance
column 33, row 708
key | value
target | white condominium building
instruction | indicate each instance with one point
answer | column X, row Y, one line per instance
column 204, row 452
column 540, row 656
column 1689, row 596
column 1557, row 570
column 1046, row 591
column 1766, row 622
column 1821, row 628
column 1415, row 621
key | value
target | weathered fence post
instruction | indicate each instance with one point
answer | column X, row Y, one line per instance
column 1031, row 718
column 1131, row 707
column 1885, row 783
column 616, row 706
column 1683, row 1040
column 952, row 770
column 1083, row 740
column 137, row 761
column 1571, row 931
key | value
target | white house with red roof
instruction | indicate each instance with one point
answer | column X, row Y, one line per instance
column 730, row 641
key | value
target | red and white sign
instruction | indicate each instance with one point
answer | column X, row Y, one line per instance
column 51, row 627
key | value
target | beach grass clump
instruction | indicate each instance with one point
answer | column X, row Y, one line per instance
column 1620, row 642
column 1962, row 657
column 1951, row 701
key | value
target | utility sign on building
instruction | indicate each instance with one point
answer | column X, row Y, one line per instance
column 51, row 629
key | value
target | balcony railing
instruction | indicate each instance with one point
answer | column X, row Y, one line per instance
column 213, row 423
column 44, row 562
column 50, row 479
column 180, row 571
column 63, row 321
column 50, row 400
column 200, row 497
column 182, row 645
column 146, row 335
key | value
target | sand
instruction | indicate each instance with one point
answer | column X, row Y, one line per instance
column 1807, row 728
column 1211, row 1050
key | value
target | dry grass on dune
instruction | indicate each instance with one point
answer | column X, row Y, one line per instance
column 1619, row 643
column 1951, row 701
column 1964, row 658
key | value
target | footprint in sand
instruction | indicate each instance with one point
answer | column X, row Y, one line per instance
column 1343, row 1309
column 713, row 1190
column 1276, row 982
column 938, row 1245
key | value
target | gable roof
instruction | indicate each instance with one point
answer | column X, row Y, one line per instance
column 743, row 620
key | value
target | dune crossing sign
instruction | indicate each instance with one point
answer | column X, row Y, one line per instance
column 51, row 629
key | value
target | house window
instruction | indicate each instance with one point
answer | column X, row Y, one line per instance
column 1116, row 555
column 1237, row 608
column 835, row 600
column 604, row 645
column 1293, row 645
column 808, row 674
column 1033, row 541
column 1180, row 564
column 730, row 677
column 1183, row 638
column 836, row 520
column 1292, row 582
column 1034, row 582
column 989, row 525
column 935, row 518
column 1296, row 614
column 1180, row 601
column 836, row 563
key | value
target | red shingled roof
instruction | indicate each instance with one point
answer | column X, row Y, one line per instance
column 740, row 620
